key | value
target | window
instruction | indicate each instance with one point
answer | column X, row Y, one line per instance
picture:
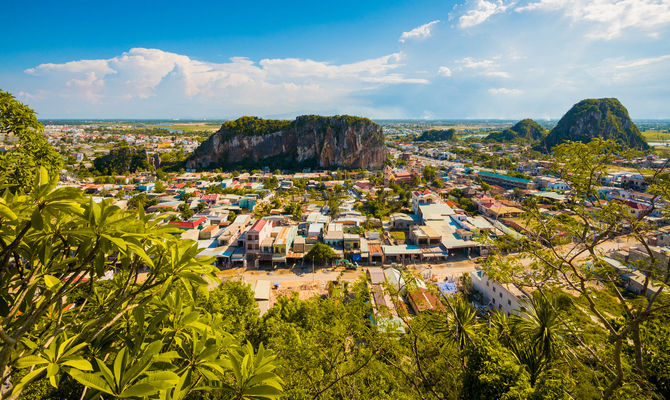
column 494, row 300
column 501, row 295
column 494, row 289
column 509, row 302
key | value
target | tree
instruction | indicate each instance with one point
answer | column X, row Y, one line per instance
column 271, row 183
column 429, row 173
column 124, row 328
column 160, row 187
column 20, row 163
column 546, row 264
column 320, row 253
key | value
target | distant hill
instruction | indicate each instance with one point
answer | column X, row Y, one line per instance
column 591, row 118
column 436, row 135
column 525, row 130
column 311, row 141
column 125, row 159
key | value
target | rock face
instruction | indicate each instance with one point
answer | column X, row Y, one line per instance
column 591, row 118
column 436, row 135
column 525, row 130
column 309, row 141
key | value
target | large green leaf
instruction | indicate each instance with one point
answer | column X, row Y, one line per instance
column 93, row 381
column 139, row 390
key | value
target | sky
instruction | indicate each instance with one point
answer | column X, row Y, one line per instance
column 392, row 59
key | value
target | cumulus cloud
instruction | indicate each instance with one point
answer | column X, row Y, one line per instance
column 279, row 84
column 482, row 11
column 421, row 32
column 444, row 71
column 505, row 91
column 611, row 17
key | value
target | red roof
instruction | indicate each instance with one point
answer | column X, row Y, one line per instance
column 259, row 225
column 189, row 224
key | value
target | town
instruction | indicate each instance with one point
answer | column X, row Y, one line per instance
column 425, row 213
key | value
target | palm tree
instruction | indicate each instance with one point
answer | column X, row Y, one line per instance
column 461, row 323
column 541, row 324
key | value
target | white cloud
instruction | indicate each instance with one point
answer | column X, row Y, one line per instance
column 421, row 32
column 280, row 85
column 505, row 91
column 482, row 11
column 444, row 71
column 611, row 17
column 642, row 62
column 484, row 67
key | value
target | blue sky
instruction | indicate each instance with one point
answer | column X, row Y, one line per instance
column 391, row 59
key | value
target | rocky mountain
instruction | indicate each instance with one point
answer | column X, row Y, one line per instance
column 126, row 159
column 525, row 130
column 309, row 141
column 591, row 118
column 436, row 135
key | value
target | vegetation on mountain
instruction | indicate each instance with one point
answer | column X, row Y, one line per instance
column 30, row 149
column 124, row 160
column 436, row 135
column 252, row 126
column 595, row 118
column 526, row 131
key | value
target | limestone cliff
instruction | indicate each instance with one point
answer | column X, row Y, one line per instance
column 309, row 141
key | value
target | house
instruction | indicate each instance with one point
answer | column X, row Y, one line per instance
column 422, row 198
column 248, row 201
column 424, row 235
column 257, row 235
column 402, row 221
column 209, row 232
column 505, row 181
column 422, row 299
column 283, row 242
column 435, row 212
column 352, row 242
column 334, row 235
column 505, row 297
column 190, row 224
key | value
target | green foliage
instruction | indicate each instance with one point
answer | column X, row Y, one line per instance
column 252, row 126
column 525, row 132
column 436, row 135
column 20, row 163
column 141, row 200
column 122, row 161
column 144, row 332
column 595, row 118
column 320, row 253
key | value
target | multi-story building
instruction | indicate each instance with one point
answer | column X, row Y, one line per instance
column 257, row 234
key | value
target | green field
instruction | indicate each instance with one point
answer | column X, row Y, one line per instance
column 656, row 136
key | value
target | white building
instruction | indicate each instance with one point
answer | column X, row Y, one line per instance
column 505, row 297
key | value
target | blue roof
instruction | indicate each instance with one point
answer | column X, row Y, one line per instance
column 500, row 176
column 447, row 287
